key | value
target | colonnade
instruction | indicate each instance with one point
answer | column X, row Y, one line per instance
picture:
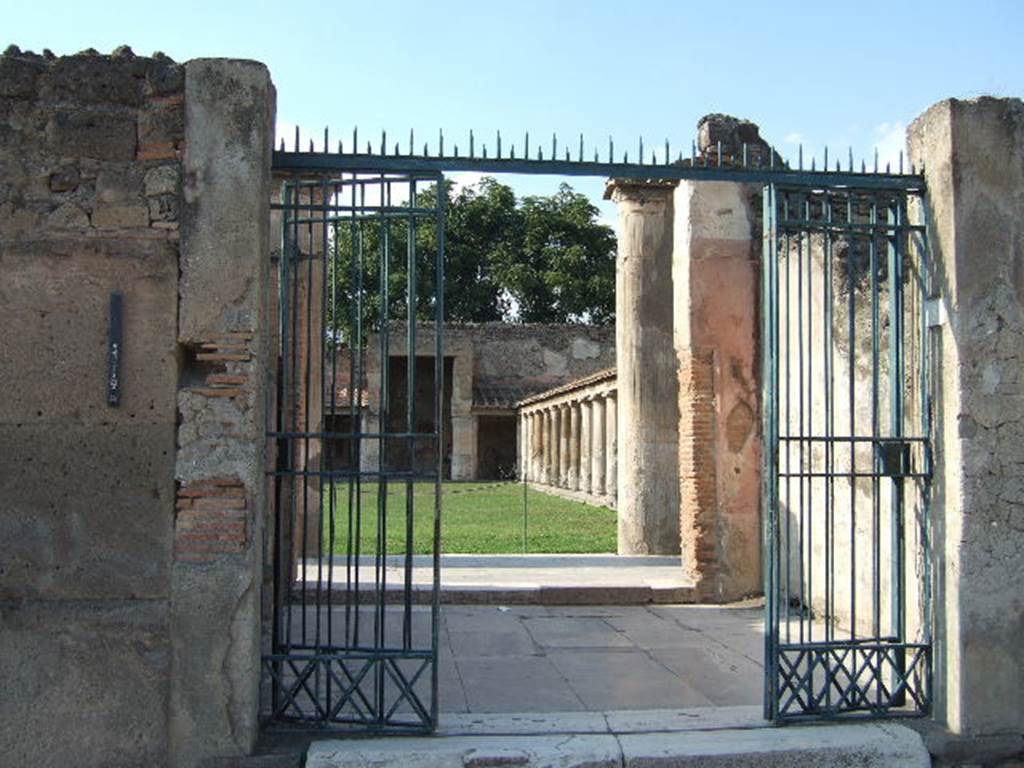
column 570, row 438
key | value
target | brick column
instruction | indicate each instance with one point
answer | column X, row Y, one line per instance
column 716, row 283
column 597, row 441
column 648, row 499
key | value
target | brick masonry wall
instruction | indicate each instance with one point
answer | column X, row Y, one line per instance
column 91, row 151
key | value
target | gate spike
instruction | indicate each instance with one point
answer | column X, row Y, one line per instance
column 812, row 164
column 471, row 152
column 913, row 170
column 412, row 143
column 383, row 143
column 499, row 145
column 355, row 139
column 851, row 159
column 327, row 141
column 863, row 167
column 426, row 149
column 625, row 158
column 296, row 138
column 680, row 159
column 719, row 153
column 456, row 150
column 554, row 147
column 485, row 151
column 876, row 159
column 744, row 154
column 540, row 153
column 596, row 158
column 837, row 165
column 512, row 152
column 800, row 166
column 693, row 153
column 440, row 142
column 339, row 146
column 311, row 145
column 396, row 149
column 901, row 162
column 282, row 143
column 640, row 153
column 526, row 146
column 611, row 150
column 666, row 152
column 581, row 147
column 771, row 156
column 568, row 159
column 887, row 167
column 824, row 165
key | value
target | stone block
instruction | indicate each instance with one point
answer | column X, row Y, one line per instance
column 67, row 216
column 162, row 180
column 92, row 133
column 163, row 208
column 120, row 216
column 88, row 511
column 119, row 183
column 84, row 684
column 54, row 304
column 161, row 123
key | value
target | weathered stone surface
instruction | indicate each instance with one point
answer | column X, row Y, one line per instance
column 648, row 420
column 162, row 180
column 85, row 684
column 67, row 216
column 974, row 155
column 120, row 216
column 54, row 305
column 18, row 76
column 228, row 104
column 102, row 80
column 99, row 134
column 88, row 515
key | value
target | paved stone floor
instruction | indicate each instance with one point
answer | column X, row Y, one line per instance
column 531, row 658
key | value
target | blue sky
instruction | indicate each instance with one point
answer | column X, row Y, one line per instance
column 846, row 74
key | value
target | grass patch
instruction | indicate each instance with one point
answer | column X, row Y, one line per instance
column 476, row 518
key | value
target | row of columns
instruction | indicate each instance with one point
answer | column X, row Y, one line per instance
column 572, row 444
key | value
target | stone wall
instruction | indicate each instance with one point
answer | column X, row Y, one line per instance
column 131, row 533
column 90, row 172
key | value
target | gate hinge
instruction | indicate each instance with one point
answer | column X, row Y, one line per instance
column 934, row 312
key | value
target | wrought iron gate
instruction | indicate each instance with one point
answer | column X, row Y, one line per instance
column 848, row 460
column 362, row 256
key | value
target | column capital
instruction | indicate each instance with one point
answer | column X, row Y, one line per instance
column 639, row 190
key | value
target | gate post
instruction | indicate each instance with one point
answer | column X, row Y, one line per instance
column 222, row 329
column 648, row 488
column 973, row 155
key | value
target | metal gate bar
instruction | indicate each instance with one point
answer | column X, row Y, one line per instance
column 343, row 652
column 845, row 277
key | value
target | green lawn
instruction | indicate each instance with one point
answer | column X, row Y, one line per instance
column 476, row 518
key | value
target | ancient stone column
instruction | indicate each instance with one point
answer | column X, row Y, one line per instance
column 524, row 445
column 585, row 448
column 556, row 431
column 572, row 477
column 597, row 439
column 563, row 446
column 648, row 508
column 536, row 446
column 611, row 449
column 464, row 421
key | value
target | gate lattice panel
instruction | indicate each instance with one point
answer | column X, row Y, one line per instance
column 848, row 461
column 359, row 454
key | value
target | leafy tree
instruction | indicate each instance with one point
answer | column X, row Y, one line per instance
column 540, row 259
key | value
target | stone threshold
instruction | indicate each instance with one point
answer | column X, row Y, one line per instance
column 600, row 579
column 725, row 736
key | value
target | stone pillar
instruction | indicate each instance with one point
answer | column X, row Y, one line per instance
column 536, row 441
column 716, row 280
column 585, row 447
column 556, row 419
column 214, row 616
column 611, row 450
column 973, row 153
column 464, row 423
column 648, row 506
column 597, row 452
column 563, row 446
column 572, row 478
